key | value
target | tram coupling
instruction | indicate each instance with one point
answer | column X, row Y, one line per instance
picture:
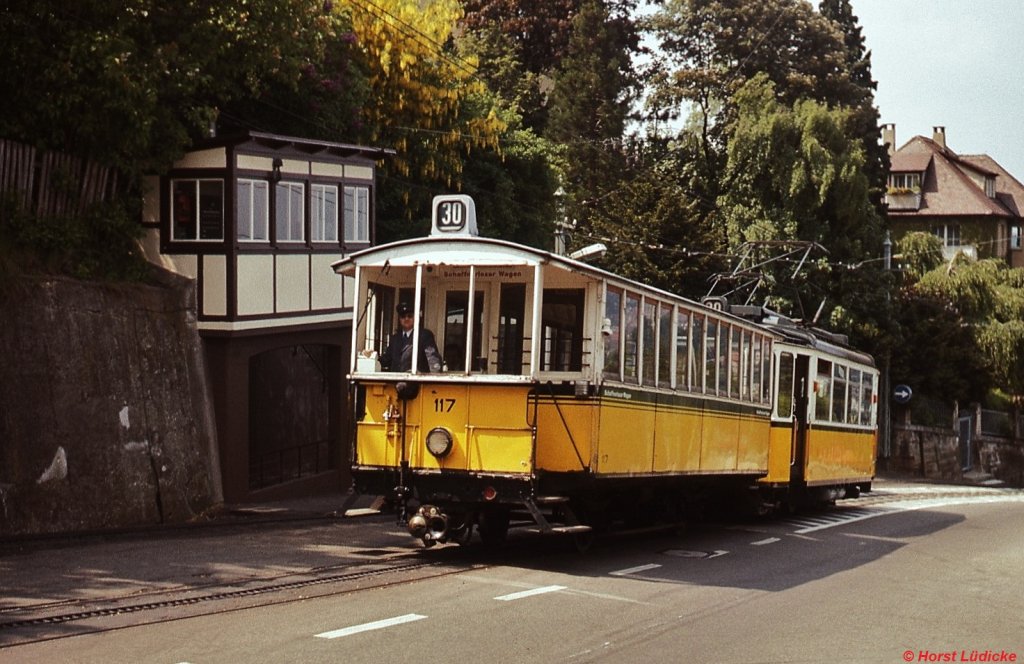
column 429, row 523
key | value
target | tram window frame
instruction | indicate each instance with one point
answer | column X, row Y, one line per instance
column 867, row 396
column 854, row 399
column 664, row 363
column 695, row 370
column 710, row 357
column 756, row 375
column 649, row 343
column 682, row 348
column 555, row 333
column 785, row 399
column 735, row 362
column 381, row 300
column 613, row 303
column 454, row 353
column 823, row 390
column 724, row 357
column 766, row 370
column 839, row 393
column 631, row 334
column 746, row 350
column 511, row 328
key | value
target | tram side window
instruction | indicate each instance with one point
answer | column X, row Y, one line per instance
column 612, row 333
column 562, row 330
column 853, row 416
column 867, row 397
column 381, row 304
column 649, row 348
column 784, row 404
column 723, row 359
column 696, row 371
column 710, row 364
column 455, row 320
column 745, row 366
column 631, row 328
column 682, row 349
column 766, row 371
column 665, row 345
column 823, row 390
column 510, row 329
column 735, row 363
column 755, row 368
column 839, row 394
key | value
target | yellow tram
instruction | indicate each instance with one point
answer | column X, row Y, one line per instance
column 570, row 398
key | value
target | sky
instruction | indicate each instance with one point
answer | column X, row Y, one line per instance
column 952, row 63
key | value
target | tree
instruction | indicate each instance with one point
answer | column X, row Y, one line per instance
column 131, row 84
column 590, row 104
column 794, row 173
column 864, row 118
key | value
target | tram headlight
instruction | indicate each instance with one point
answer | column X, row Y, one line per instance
column 439, row 442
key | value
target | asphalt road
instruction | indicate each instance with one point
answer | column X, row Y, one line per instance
column 923, row 576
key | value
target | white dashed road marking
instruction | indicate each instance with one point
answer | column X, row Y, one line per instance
column 635, row 570
column 529, row 593
column 770, row 540
column 366, row 627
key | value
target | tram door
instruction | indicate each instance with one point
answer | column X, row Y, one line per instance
column 801, row 406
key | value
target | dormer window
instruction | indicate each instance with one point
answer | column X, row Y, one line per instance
column 990, row 187
column 905, row 182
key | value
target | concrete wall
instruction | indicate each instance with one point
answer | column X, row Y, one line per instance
column 105, row 415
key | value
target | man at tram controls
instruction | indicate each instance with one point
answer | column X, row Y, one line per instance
column 398, row 355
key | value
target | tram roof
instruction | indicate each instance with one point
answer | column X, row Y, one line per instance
column 479, row 251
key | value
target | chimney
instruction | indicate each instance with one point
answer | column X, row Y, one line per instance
column 939, row 136
column 889, row 137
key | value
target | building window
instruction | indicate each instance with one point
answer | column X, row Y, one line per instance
column 324, row 213
column 357, row 214
column 905, row 181
column 290, row 211
column 252, row 204
column 197, row 209
column 1015, row 236
column 949, row 234
column 990, row 187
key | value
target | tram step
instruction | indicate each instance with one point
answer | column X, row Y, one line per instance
column 550, row 500
column 561, row 530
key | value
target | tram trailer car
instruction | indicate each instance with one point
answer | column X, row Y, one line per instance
column 571, row 398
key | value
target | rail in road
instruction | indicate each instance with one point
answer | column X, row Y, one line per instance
column 377, row 568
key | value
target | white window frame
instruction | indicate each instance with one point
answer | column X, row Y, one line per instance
column 948, row 233
column 1015, row 236
column 196, row 209
column 290, row 199
column 323, row 212
column 258, row 223
column 357, row 213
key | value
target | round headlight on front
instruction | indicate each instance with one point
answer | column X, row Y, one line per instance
column 439, row 442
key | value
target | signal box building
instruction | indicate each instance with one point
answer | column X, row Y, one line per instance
column 257, row 220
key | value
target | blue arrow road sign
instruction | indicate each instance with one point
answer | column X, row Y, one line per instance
column 902, row 393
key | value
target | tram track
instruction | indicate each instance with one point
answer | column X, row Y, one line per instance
column 39, row 622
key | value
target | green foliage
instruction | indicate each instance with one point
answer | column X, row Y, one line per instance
column 99, row 244
column 918, row 253
column 794, row 173
column 130, row 84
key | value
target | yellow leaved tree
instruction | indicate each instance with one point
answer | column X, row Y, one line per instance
column 425, row 100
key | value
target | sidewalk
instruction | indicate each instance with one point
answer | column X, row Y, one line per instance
column 238, row 546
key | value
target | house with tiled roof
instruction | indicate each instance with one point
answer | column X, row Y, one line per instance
column 969, row 201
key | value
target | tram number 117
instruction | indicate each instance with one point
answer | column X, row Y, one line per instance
column 443, row 405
